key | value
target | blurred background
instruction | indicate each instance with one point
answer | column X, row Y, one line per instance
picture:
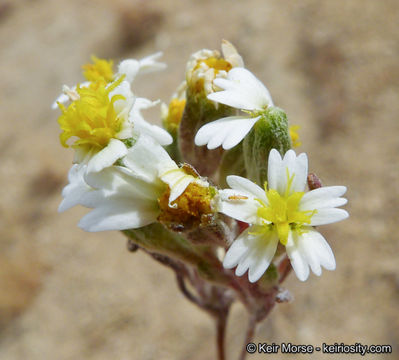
column 333, row 66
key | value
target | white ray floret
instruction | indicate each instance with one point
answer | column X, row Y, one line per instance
column 142, row 126
column 281, row 212
column 243, row 91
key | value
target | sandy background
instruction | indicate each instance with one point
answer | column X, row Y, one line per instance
column 333, row 66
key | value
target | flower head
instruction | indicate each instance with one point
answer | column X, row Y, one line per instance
column 149, row 187
column 205, row 65
column 97, row 123
column 243, row 91
column 281, row 212
column 103, row 116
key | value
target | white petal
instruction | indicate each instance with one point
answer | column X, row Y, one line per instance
column 111, row 178
column 115, row 150
column 120, row 214
column 242, row 90
column 228, row 131
column 156, row 132
column 252, row 85
column 298, row 260
column 142, row 126
column 236, row 99
column 266, row 248
column 118, row 181
column 179, row 186
column 62, row 99
column 76, row 189
column 144, row 104
column 324, row 197
column 328, row 216
column 300, row 169
column 149, row 63
column 241, row 130
column 274, row 169
column 247, row 186
column 146, row 157
column 231, row 55
column 309, row 253
column 83, row 153
column 241, row 209
column 288, row 163
column 258, row 252
column 130, row 68
column 217, row 139
column 237, row 251
column 245, row 263
column 279, row 169
column 317, row 250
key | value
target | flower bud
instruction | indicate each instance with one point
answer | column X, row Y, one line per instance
column 270, row 132
column 203, row 67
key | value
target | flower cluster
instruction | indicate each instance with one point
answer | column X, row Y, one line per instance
column 127, row 170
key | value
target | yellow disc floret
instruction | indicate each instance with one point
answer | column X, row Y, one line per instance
column 294, row 135
column 100, row 70
column 216, row 63
column 175, row 113
column 191, row 208
column 92, row 118
column 283, row 212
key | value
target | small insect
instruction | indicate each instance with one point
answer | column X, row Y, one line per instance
column 189, row 170
column 237, row 197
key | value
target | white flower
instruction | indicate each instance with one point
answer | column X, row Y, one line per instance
column 281, row 212
column 241, row 90
column 129, row 68
column 127, row 197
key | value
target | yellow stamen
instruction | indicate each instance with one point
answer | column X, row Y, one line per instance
column 100, row 70
column 92, row 118
column 283, row 211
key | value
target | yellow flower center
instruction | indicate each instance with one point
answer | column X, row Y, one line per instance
column 175, row 113
column 294, row 135
column 283, row 212
column 100, row 70
column 92, row 118
column 217, row 64
column 193, row 208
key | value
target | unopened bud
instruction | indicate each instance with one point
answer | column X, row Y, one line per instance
column 270, row 132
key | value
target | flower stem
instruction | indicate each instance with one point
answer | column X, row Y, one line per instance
column 221, row 321
column 249, row 335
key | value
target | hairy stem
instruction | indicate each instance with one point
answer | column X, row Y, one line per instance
column 249, row 335
column 221, row 321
